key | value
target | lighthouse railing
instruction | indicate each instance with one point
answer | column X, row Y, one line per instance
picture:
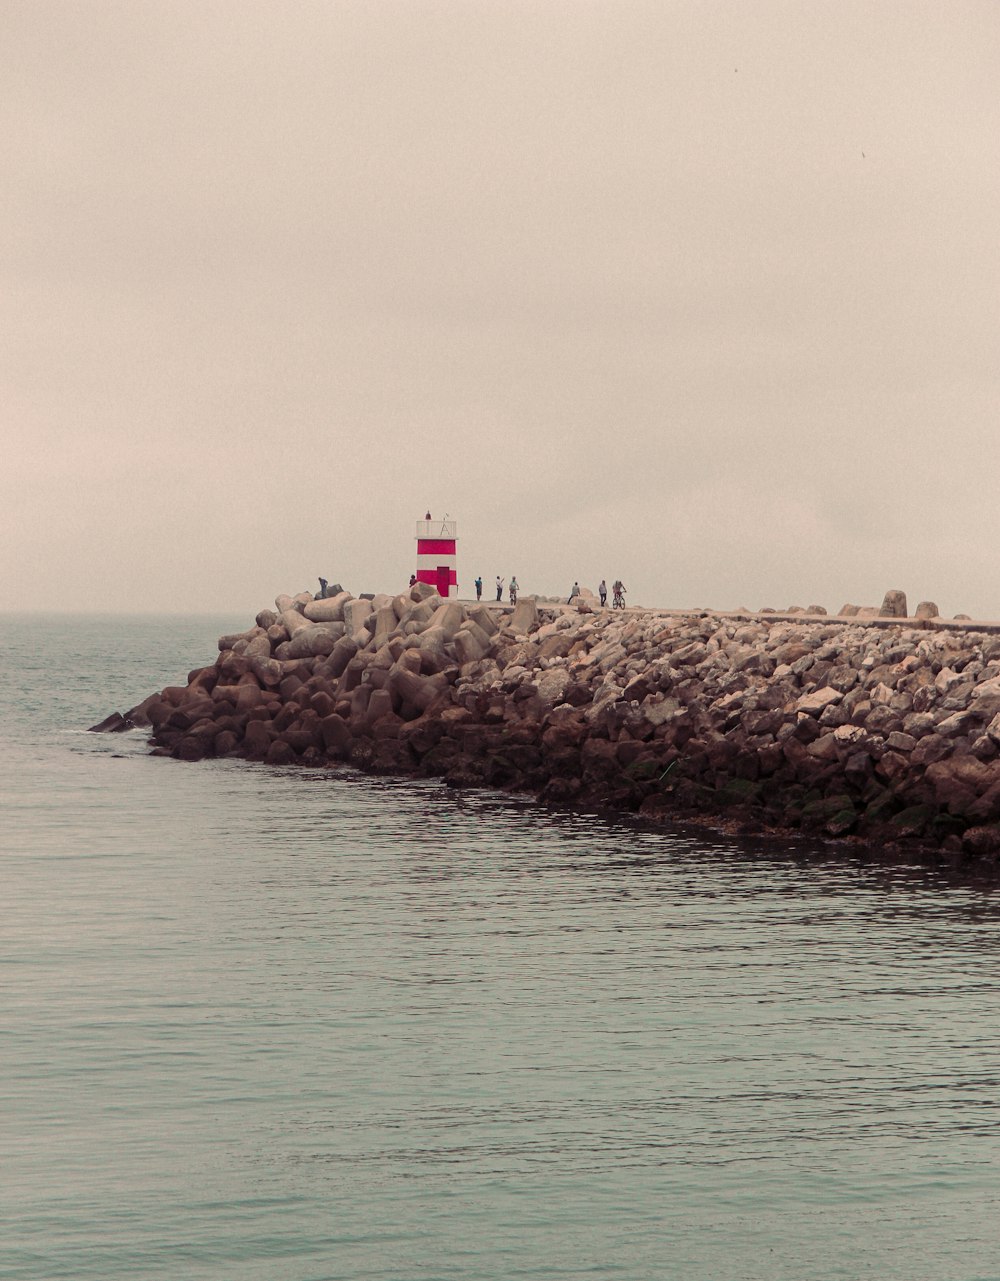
column 436, row 528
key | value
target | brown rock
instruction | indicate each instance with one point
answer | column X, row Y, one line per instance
column 279, row 753
column 982, row 841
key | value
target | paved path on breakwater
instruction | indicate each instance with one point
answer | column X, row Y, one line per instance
column 989, row 627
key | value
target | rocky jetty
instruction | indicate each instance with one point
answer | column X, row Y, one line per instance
column 877, row 729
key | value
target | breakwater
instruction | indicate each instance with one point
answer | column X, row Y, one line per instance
column 877, row 730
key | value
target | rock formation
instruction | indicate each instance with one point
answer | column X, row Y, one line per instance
column 873, row 729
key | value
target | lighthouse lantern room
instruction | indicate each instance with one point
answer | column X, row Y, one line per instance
column 437, row 561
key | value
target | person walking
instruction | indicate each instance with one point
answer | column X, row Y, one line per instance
column 499, row 588
column 603, row 593
column 479, row 589
column 513, row 590
column 574, row 592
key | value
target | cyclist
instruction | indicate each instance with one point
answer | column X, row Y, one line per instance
column 618, row 600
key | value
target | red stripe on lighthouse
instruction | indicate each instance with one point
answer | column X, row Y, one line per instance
column 430, row 576
column 435, row 546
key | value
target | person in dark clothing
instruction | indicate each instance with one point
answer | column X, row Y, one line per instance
column 479, row 589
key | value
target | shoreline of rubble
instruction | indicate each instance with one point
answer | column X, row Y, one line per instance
column 879, row 731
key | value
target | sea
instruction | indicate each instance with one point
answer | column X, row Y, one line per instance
column 308, row 1025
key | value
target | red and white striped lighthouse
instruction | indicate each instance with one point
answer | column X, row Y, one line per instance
column 437, row 561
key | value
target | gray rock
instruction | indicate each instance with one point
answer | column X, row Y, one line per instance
column 483, row 617
column 893, row 604
column 470, row 643
column 524, row 618
column 814, row 702
column 293, row 621
column 328, row 610
column 449, row 617
column 315, row 641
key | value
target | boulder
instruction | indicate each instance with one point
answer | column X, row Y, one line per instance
column 113, row 724
column 552, row 686
column 814, row 702
column 315, row 640
column 419, row 691
column 341, row 654
column 257, row 738
column 926, row 609
column 982, row 841
column 448, row 617
column 893, row 604
column 985, row 698
column 236, row 638
column 356, row 612
column 379, row 705
column 433, row 650
column 470, row 643
column 524, row 617
column 484, row 618
column 385, row 624
column 259, row 647
column 328, row 610
column 293, row 621
column 267, row 671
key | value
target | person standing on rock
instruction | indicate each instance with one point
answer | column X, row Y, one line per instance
column 322, row 589
column 513, row 590
column 413, row 579
column 603, row 592
column 574, row 592
column 479, row 589
column 499, row 588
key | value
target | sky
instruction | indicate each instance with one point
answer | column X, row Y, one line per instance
column 703, row 295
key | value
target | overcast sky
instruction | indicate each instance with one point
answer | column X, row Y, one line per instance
column 702, row 295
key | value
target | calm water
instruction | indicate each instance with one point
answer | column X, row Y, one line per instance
column 261, row 1024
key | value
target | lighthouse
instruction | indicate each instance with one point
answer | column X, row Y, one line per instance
column 437, row 561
